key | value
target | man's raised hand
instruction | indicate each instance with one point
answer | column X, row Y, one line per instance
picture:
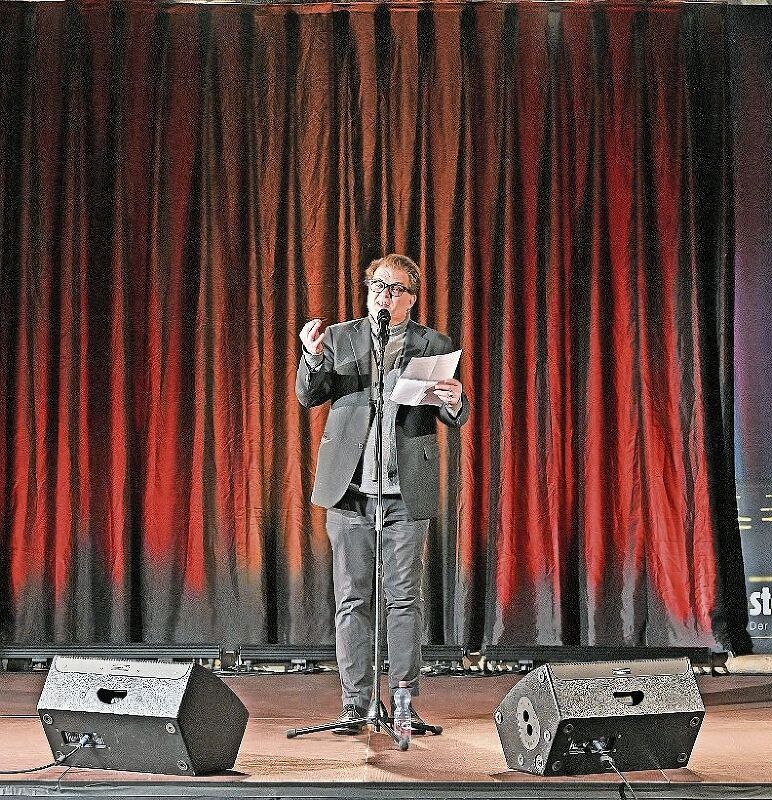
column 312, row 336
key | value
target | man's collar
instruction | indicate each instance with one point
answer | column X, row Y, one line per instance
column 394, row 330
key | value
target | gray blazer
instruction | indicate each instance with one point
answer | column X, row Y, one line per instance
column 344, row 379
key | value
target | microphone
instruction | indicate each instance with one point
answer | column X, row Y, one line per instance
column 384, row 318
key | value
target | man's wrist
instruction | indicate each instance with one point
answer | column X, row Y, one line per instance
column 456, row 409
column 314, row 360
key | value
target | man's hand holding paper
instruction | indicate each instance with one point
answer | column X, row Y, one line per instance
column 449, row 393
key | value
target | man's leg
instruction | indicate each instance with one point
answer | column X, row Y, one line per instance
column 353, row 553
column 403, row 547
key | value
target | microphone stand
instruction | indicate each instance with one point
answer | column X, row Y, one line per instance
column 377, row 715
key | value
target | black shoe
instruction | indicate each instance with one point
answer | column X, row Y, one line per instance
column 347, row 727
column 417, row 725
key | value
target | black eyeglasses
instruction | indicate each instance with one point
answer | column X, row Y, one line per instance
column 378, row 286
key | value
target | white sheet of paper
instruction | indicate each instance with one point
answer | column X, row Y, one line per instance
column 414, row 387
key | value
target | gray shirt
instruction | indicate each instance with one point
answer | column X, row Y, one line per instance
column 392, row 361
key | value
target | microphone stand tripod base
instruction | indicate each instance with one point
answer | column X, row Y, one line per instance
column 376, row 723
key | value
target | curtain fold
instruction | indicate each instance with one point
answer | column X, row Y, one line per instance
column 182, row 187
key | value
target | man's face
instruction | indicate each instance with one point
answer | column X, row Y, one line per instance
column 398, row 307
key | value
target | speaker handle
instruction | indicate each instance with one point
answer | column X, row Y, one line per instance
column 634, row 698
column 111, row 696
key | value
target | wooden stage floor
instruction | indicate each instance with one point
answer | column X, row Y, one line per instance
column 732, row 757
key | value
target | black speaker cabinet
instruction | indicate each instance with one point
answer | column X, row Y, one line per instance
column 141, row 716
column 561, row 719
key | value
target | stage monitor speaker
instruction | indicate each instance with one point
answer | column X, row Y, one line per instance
column 568, row 719
column 141, row 716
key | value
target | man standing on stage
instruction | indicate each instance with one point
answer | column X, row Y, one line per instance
column 339, row 365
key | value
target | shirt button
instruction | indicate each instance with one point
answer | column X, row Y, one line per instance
column 360, row 445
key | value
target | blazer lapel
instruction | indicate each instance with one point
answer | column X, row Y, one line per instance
column 360, row 339
column 416, row 343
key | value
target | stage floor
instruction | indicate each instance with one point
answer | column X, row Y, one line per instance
column 731, row 757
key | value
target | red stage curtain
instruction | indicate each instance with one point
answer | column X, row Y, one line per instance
column 183, row 186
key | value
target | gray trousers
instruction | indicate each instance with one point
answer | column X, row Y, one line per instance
column 351, row 529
